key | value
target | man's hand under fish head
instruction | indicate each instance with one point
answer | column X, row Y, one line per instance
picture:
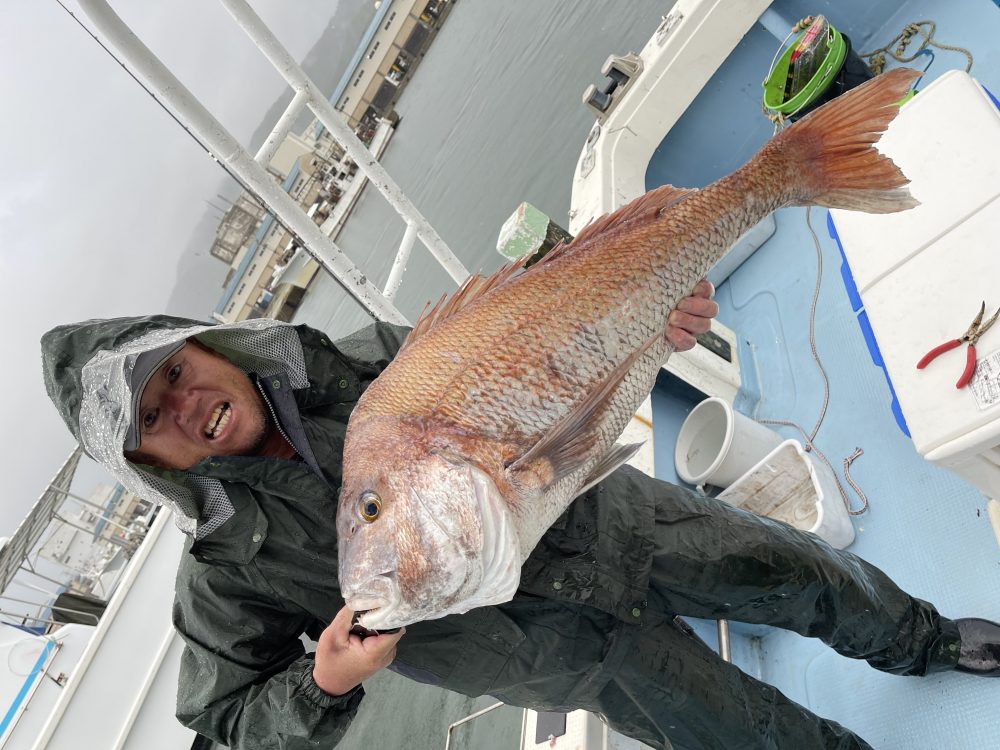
column 345, row 660
column 692, row 316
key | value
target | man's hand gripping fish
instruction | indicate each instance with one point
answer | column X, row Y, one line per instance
column 506, row 400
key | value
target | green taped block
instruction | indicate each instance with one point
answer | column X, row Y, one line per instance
column 523, row 233
column 529, row 232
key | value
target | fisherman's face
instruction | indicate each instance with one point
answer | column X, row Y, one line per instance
column 198, row 404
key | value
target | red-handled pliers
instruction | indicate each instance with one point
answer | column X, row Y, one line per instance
column 971, row 336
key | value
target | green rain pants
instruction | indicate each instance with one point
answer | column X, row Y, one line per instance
column 662, row 685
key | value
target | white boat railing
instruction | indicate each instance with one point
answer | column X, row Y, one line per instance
column 139, row 60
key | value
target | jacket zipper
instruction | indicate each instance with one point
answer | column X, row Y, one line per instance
column 274, row 416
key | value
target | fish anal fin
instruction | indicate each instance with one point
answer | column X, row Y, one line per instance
column 474, row 288
column 651, row 204
column 573, row 439
column 618, row 455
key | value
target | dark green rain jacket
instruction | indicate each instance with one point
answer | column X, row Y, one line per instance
column 250, row 588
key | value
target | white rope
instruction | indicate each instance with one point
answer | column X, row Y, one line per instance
column 810, row 437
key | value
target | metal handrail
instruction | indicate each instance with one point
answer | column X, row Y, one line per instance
column 140, row 61
column 53, row 607
column 725, row 648
column 470, row 717
column 292, row 72
column 16, row 550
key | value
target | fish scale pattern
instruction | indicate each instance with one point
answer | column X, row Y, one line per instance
column 552, row 337
column 529, row 351
column 525, row 381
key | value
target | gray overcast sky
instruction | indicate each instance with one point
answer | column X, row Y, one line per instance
column 100, row 190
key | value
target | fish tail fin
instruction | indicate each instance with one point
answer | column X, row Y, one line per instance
column 831, row 155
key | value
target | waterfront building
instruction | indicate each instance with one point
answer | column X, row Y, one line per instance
column 255, row 249
column 251, row 269
column 396, row 40
column 237, row 228
column 314, row 169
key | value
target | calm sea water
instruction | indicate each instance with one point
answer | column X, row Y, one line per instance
column 493, row 117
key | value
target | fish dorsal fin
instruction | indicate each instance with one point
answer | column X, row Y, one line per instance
column 472, row 289
column 656, row 200
column 571, row 441
column 558, row 249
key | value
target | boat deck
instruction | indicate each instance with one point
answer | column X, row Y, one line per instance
column 926, row 528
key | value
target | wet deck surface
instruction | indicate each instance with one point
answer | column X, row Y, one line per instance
column 926, row 528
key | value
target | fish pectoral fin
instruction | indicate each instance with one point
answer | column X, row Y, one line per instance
column 618, row 455
column 573, row 439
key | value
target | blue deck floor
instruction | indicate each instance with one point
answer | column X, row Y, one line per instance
column 926, row 528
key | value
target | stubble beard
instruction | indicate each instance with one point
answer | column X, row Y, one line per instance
column 263, row 426
column 260, row 438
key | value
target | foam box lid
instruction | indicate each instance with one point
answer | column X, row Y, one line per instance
column 931, row 299
column 946, row 140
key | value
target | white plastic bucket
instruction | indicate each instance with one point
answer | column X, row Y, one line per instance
column 717, row 445
column 788, row 485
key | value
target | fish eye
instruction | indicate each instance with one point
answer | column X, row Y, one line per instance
column 369, row 506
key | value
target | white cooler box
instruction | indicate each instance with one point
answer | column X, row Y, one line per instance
column 922, row 274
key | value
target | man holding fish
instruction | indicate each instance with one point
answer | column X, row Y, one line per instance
column 476, row 505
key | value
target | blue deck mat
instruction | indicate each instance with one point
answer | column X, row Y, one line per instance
column 926, row 528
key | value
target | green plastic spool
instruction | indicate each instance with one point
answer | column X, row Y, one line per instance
column 774, row 86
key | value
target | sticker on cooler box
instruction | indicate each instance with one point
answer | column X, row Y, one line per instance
column 985, row 384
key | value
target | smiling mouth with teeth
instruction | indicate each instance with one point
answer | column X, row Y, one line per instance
column 218, row 422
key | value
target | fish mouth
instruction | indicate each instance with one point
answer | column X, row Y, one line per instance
column 377, row 618
column 375, row 610
column 364, row 606
column 360, row 630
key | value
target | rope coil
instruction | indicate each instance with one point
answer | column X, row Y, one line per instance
column 777, row 118
column 877, row 58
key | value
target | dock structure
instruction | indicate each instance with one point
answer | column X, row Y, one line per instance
column 268, row 273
